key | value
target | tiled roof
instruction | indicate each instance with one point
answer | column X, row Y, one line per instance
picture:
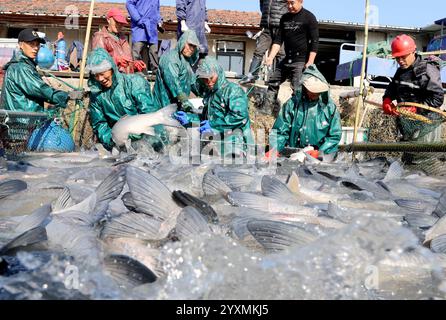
column 62, row 7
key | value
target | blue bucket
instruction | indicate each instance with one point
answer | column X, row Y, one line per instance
column 51, row 137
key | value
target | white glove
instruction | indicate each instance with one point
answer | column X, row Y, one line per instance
column 298, row 156
column 184, row 26
column 207, row 28
column 309, row 148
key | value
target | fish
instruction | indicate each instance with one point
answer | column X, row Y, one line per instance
column 10, row 187
column 143, row 124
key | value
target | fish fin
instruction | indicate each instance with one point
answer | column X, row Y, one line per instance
column 235, row 180
column 27, row 238
column 353, row 171
column 128, row 202
column 440, row 209
column 78, row 218
column 395, row 172
column 213, row 185
column 413, row 206
column 304, row 171
column 273, row 188
column 351, row 185
column 150, row 195
column 132, row 225
column 190, row 222
column 421, row 221
column 436, row 230
column 278, row 236
column 239, row 223
column 294, row 183
column 128, row 272
column 329, row 176
column 39, row 218
column 110, row 188
column 250, row 200
column 11, row 187
column 64, row 201
column 185, row 199
column 438, row 245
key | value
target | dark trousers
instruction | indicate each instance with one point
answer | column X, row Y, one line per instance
column 138, row 49
column 264, row 43
column 284, row 71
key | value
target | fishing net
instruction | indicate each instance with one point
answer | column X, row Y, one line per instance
column 16, row 128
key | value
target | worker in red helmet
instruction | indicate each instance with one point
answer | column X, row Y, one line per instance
column 419, row 81
column 112, row 39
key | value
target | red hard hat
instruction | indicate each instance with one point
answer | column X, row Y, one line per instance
column 403, row 45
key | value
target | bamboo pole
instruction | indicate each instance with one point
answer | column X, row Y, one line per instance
column 434, row 147
column 432, row 53
column 364, row 62
column 84, row 61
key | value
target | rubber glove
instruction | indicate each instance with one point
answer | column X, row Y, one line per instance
column 207, row 28
column 182, row 117
column 139, row 65
column 313, row 153
column 205, row 127
column 389, row 107
column 271, row 154
column 184, row 26
column 184, row 103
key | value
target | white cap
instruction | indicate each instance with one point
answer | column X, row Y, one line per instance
column 315, row 85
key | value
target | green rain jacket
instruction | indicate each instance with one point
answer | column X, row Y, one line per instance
column 129, row 95
column 175, row 77
column 225, row 106
column 23, row 88
column 302, row 122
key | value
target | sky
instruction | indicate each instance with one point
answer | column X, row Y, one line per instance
column 404, row 13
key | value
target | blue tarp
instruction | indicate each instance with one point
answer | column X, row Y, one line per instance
column 441, row 22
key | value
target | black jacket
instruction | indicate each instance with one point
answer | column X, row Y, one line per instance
column 420, row 83
column 272, row 11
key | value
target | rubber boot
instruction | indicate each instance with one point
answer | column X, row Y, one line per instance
column 253, row 71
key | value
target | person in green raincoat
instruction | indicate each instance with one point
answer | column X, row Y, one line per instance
column 225, row 106
column 175, row 77
column 114, row 95
column 309, row 119
column 23, row 88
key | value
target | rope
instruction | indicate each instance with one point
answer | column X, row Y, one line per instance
column 418, row 117
column 61, row 81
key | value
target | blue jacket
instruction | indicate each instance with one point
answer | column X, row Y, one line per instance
column 195, row 14
column 145, row 16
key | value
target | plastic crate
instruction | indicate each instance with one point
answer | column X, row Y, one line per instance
column 16, row 128
column 348, row 133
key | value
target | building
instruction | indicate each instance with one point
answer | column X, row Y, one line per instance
column 228, row 41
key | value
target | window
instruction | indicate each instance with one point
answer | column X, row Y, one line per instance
column 231, row 55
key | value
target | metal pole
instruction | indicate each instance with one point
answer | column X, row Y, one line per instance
column 364, row 62
column 84, row 61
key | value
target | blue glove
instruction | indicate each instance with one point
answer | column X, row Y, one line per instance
column 205, row 127
column 182, row 117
